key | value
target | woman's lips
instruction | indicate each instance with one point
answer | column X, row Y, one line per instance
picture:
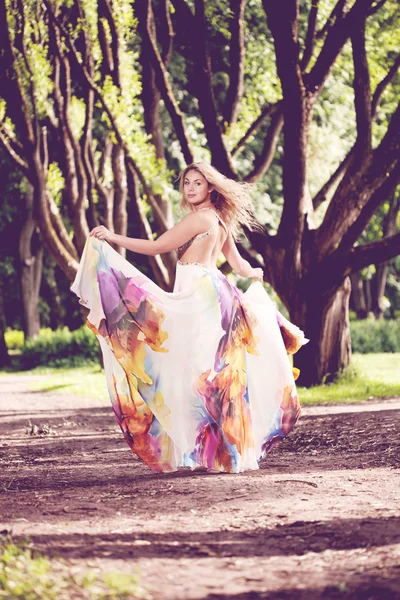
column 191, row 195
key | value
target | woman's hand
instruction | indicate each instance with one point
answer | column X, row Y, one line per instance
column 258, row 274
column 101, row 233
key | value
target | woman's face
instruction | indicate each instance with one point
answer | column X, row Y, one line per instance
column 195, row 188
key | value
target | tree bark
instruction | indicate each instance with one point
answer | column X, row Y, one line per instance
column 379, row 284
column 236, row 66
column 326, row 323
column 31, row 270
column 357, row 298
column 4, row 356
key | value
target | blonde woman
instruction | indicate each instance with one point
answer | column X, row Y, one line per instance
column 198, row 377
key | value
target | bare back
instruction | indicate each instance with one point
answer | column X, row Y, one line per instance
column 205, row 248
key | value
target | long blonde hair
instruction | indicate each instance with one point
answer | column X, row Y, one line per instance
column 230, row 198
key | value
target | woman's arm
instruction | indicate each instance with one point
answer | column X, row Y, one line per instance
column 237, row 262
column 172, row 239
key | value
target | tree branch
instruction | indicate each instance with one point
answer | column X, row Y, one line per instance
column 166, row 32
column 382, row 85
column 269, row 109
column 236, row 63
column 203, row 87
column 333, row 181
column 157, row 212
column 338, row 11
column 13, row 154
column 336, row 37
column 263, row 162
column 297, row 108
column 146, row 20
column 105, row 11
column 335, row 178
column 10, row 79
column 373, row 253
column 310, row 37
column 378, row 6
column 367, row 212
column 356, row 189
column 362, row 97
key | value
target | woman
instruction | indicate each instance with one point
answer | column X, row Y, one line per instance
column 198, row 377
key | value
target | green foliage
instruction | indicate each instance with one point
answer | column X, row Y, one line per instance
column 55, row 182
column 370, row 335
column 25, row 574
column 14, row 339
column 60, row 347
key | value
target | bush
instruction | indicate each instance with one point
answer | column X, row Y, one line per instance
column 370, row 336
column 14, row 339
column 60, row 348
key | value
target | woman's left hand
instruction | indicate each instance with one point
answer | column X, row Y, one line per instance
column 101, row 233
column 258, row 274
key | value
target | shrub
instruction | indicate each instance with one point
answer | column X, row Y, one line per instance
column 370, row 336
column 60, row 348
column 14, row 339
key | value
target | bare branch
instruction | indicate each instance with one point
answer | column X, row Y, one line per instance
column 328, row 188
column 336, row 37
column 203, row 86
column 13, row 154
column 297, row 106
column 145, row 15
column 338, row 11
column 12, row 88
column 236, row 64
column 373, row 253
column 362, row 96
column 269, row 109
column 378, row 6
column 263, row 162
column 105, row 12
column 138, row 215
column 382, row 85
column 157, row 212
column 310, row 37
column 359, row 225
column 356, row 189
column 166, row 32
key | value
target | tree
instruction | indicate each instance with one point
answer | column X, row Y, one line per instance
column 182, row 68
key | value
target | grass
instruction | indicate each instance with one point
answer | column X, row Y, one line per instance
column 370, row 376
column 28, row 575
column 86, row 381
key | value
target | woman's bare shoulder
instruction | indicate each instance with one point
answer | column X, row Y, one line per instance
column 199, row 217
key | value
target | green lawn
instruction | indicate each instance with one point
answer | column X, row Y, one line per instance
column 370, row 376
column 86, row 381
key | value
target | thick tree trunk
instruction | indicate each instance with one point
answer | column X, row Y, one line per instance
column 327, row 326
column 379, row 284
column 31, row 271
column 357, row 298
column 4, row 357
column 51, row 294
column 378, row 291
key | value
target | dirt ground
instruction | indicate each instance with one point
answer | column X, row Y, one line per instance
column 320, row 519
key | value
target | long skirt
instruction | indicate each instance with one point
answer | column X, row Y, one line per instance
column 196, row 377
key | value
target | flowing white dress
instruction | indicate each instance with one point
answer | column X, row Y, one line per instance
column 196, row 377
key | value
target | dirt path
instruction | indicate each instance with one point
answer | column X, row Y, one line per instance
column 320, row 519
